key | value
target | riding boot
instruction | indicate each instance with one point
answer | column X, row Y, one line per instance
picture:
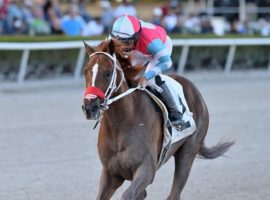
column 175, row 116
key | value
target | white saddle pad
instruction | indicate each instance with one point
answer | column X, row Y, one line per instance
column 175, row 135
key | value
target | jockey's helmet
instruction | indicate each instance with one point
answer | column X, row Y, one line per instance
column 126, row 28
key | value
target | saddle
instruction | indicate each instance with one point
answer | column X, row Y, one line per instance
column 172, row 134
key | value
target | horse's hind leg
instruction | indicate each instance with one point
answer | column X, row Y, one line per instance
column 184, row 158
column 108, row 185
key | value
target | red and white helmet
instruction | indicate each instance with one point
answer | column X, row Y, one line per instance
column 125, row 28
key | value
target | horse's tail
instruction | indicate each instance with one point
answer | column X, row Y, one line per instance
column 213, row 152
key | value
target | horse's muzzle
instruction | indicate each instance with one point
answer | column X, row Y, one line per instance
column 91, row 108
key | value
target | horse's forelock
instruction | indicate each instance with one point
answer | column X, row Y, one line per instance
column 124, row 59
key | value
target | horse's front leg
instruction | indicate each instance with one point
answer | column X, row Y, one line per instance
column 108, row 185
column 143, row 177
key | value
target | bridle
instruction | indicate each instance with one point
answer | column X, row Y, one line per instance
column 113, row 87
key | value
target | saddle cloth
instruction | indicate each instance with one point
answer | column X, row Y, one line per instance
column 171, row 134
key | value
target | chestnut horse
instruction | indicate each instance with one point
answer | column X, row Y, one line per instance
column 131, row 130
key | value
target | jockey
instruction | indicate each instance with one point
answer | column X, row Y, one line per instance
column 150, row 42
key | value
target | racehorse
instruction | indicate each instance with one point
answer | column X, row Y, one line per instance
column 131, row 129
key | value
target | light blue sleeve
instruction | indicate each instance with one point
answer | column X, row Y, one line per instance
column 159, row 52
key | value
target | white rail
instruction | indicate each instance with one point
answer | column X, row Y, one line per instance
column 232, row 43
column 26, row 48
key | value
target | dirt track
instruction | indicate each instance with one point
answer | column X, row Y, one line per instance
column 48, row 150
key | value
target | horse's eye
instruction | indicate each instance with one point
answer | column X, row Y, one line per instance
column 107, row 75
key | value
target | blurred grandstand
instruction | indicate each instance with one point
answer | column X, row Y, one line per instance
column 87, row 18
column 64, row 20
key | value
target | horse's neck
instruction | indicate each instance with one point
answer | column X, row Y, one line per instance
column 121, row 110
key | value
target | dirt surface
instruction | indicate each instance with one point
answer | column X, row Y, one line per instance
column 48, row 150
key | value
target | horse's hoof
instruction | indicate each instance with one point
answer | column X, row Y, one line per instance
column 128, row 196
column 142, row 196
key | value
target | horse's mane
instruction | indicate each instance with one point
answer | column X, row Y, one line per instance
column 124, row 59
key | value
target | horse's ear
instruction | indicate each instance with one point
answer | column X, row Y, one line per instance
column 88, row 49
column 111, row 47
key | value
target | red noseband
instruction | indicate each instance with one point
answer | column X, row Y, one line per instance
column 94, row 91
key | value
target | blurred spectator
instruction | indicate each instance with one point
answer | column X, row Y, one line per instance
column 125, row 7
column 93, row 27
column 157, row 16
column 165, row 8
column 181, row 23
column 83, row 11
column 3, row 15
column 206, row 25
column 18, row 17
column 264, row 27
column 234, row 26
column 38, row 25
column 72, row 24
column 107, row 16
column 168, row 6
column 170, row 22
column 192, row 24
column 15, row 19
column 26, row 9
column 53, row 14
column 170, row 19
column 243, row 27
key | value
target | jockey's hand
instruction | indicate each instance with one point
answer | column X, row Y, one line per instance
column 142, row 82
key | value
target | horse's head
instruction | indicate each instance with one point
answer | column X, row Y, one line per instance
column 103, row 77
